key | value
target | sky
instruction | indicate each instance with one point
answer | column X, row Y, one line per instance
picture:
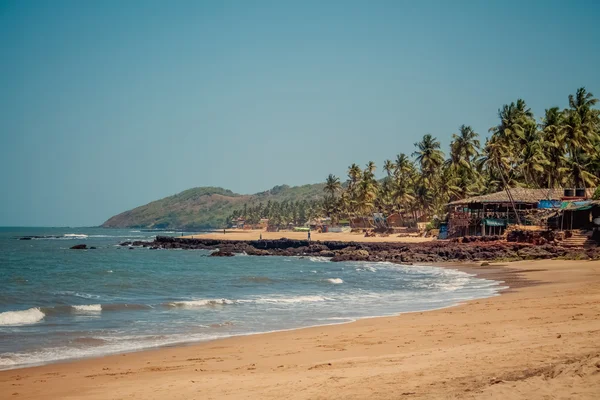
column 108, row 105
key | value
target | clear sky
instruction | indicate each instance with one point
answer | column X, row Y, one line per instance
column 107, row 105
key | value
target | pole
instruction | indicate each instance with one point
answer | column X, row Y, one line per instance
column 512, row 202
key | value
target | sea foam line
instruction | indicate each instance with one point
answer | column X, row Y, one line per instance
column 23, row 317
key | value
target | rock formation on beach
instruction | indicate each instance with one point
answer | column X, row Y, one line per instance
column 470, row 249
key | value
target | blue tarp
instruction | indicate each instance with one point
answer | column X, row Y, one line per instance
column 494, row 222
column 549, row 204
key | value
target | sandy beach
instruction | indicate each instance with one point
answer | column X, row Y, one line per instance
column 538, row 340
column 238, row 234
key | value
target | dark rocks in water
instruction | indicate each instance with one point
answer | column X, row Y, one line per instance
column 221, row 253
column 131, row 248
column 251, row 251
column 463, row 249
column 25, row 238
column 92, row 248
column 79, row 247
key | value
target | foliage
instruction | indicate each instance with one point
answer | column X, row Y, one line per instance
column 563, row 150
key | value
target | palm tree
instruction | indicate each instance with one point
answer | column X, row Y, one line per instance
column 388, row 167
column 466, row 143
column 429, row 156
column 404, row 167
column 533, row 161
column 582, row 102
column 581, row 136
column 553, row 145
column 354, row 175
column 332, row 185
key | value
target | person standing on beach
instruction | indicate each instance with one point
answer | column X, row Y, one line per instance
column 260, row 237
column 309, row 236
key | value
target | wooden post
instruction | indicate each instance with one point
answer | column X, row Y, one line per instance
column 483, row 222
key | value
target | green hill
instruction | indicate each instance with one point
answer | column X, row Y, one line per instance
column 204, row 207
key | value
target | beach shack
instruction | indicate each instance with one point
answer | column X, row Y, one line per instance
column 395, row 220
column 492, row 213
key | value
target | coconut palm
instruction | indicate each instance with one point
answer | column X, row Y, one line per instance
column 388, row 167
column 533, row 161
column 429, row 157
column 332, row 185
column 553, row 145
column 466, row 143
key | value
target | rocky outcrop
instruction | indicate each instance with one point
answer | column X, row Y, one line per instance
column 466, row 249
column 79, row 247
column 221, row 253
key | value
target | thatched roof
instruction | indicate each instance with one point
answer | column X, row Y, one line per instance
column 519, row 195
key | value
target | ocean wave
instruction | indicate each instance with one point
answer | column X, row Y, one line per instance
column 75, row 235
column 82, row 308
column 76, row 294
column 287, row 300
column 24, row 317
column 92, row 346
column 366, row 268
column 88, row 308
column 200, row 303
column 319, row 259
column 335, row 281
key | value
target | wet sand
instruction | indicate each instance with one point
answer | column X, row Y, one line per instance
column 538, row 340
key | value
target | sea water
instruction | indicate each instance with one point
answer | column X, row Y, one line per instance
column 57, row 303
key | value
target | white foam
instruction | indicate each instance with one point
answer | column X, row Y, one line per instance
column 24, row 317
column 201, row 303
column 287, row 300
column 75, row 235
column 319, row 259
column 366, row 268
column 335, row 281
column 89, row 307
column 77, row 294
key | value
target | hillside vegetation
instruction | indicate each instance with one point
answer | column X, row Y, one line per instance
column 205, row 207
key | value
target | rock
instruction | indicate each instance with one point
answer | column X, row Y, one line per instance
column 131, row 248
column 558, row 336
column 93, row 248
column 533, row 253
column 79, row 247
column 326, row 253
column 252, row 251
column 485, row 264
column 221, row 253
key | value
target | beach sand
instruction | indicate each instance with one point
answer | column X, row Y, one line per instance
column 238, row 234
column 538, row 340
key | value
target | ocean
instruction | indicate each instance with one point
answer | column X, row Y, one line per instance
column 58, row 304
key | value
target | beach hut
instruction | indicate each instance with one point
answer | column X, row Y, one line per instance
column 395, row 220
column 491, row 214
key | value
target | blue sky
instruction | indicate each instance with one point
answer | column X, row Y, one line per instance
column 108, row 105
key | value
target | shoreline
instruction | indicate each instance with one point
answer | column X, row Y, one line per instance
column 471, row 269
column 507, row 346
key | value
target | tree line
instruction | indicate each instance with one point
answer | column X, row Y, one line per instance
column 278, row 213
column 562, row 149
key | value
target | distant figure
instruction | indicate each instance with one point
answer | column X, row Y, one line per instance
column 309, row 236
column 223, row 231
column 260, row 236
